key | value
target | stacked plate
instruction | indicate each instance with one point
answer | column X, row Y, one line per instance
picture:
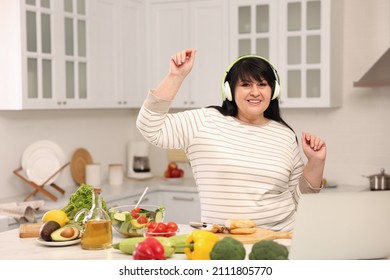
column 41, row 160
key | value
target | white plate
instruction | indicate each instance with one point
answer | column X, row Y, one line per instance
column 58, row 243
column 40, row 166
column 43, row 144
column 42, row 159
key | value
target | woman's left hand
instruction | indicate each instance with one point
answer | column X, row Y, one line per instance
column 313, row 147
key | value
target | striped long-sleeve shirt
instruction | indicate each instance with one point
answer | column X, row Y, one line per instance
column 242, row 171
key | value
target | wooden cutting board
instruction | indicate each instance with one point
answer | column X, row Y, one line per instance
column 29, row 230
column 259, row 235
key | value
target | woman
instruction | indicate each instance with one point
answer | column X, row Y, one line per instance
column 245, row 159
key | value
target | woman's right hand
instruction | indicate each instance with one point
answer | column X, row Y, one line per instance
column 181, row 62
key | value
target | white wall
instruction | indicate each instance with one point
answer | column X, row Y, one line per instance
column 104, row 133
column 357, row 134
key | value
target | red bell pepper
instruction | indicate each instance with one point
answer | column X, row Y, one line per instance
column 149, row 249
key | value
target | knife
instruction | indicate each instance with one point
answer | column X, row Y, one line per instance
column 198, row 224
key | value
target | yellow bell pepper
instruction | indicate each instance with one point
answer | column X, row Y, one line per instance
column 199, row 244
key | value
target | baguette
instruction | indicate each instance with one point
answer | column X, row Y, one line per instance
column 239, row 223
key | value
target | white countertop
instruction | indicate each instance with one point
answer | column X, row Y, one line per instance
column 14, row 248
column 110, row 193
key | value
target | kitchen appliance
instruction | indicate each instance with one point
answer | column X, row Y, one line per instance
column 342, row 226
column 138, row 160
column 379, row 182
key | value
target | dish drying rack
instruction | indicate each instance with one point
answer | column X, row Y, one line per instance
column 40, row 187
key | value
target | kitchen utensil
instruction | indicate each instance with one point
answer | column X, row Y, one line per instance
column 138, row 160
column 115, row 174
column 260, row 234
column 40, row 166
column 29, row 230
column 127, row 224
column 379, row 182
column 44, row 145
column 42, row 159
column 199, row 224
column 93, row 174
column 58, row 243
column 252, row 238
column 142, row 196
column 80, row 158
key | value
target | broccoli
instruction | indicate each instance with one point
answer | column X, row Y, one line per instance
column 228, row 248
column 81, row 199
column 268, row 250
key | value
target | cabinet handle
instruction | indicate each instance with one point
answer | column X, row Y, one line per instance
column 142, row 201
column 192, row 102
column 124, row 102
column 120, row 102
column 64, row 102
column 183, row 198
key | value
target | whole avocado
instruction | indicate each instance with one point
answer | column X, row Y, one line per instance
column 228, row 248
column 268, row 250
column 47, row 229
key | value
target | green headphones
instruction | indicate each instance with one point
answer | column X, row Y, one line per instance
column 226, row 90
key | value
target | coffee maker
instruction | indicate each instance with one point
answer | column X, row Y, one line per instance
column 138, row 160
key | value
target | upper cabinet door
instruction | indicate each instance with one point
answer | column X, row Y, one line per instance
column 168, row 33
column 202, row 25
column 116, row 46
column 48, row 63
column 71, row 54
column 302, row 38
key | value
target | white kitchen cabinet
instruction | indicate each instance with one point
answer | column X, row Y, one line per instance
column 68, row 54
column 117, row 47
column 44, row 55
column 302, row 38
column 181, row 207
column 199, row 24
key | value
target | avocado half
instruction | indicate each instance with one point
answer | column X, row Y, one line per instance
column 66, row 233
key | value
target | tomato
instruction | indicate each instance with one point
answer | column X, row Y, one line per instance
column 161, row 227
column 175, row 173
column 152, row 225
column 142, row 220
column 172, row 166
column 135, row 212
column 172, row 227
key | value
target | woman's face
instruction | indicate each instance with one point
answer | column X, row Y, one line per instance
column 252, row 98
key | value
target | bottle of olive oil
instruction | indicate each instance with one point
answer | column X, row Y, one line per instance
column 97, row 233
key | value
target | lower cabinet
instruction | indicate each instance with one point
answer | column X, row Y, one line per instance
column 181, row 207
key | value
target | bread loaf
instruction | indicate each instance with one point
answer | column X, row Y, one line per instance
column 239, row 223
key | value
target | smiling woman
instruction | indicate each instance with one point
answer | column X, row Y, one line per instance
column 244, row 156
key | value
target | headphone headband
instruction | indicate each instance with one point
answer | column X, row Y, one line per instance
column 226, row 90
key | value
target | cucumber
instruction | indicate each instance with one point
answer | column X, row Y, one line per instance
column 179, row 242
column 128, row 245
column 159, row 217
column 124, row 227
column 121, row 217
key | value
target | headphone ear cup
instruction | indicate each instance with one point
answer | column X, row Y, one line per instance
column 227, row 93
column 276, row 92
